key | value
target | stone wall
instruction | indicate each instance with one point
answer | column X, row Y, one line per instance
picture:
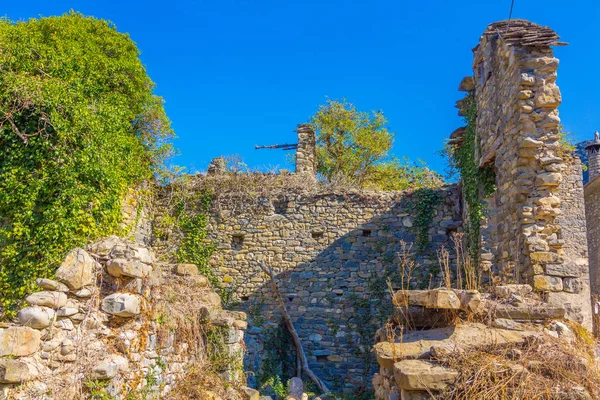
column 117, row 324
column 592, row 213
column 540, row 218
column 331, row 250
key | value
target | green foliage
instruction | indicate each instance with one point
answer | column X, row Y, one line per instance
column 79, row 124
column 477, row 183
column 353, row 146
column 219, row 357
column 195, row 248
column 278, row 361
column 426, row 200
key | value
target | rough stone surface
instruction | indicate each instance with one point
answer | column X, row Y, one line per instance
column 77, row 270
column 36, row 317
column 122, row 304
column 19, row 341
column 47, row 299
column 13, row 371
column 186, row 269
column 49, row 284
column 423, row 375
column 123, row 267
column 108, row 368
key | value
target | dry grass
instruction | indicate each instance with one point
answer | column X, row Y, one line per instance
column 541, row 369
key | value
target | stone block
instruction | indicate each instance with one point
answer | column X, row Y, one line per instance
column 548, row 96
column 123, row 267
column 77, row 269
column 528, row 312
column 19, row 341
column 47, row 299
column 122, row 304
column 109, row 367
column 506, row 291
column 443, row 299
column 549, row 179
column 467, row 84
column 564, row 270
column 249, row 393
column 423, row 375
column 36, row 317
column 13, row 371
column 546, row 283
column 49, row 284
column 412, row 297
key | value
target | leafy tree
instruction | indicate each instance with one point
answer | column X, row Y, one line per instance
column 353, row 146
column 79, row 124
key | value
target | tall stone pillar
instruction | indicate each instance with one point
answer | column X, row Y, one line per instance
column 306, row 154
column 593, row 152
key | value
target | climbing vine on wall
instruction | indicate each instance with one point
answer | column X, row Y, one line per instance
column 426, row 200
column 195, row 247
column 477, row 183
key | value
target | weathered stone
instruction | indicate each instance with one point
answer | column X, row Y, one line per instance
column 13, row 371
column 108, row 368
column 548, row 179
column 508, row 324
column 417, row 344
column 443, row 299
column 423, row 375
column 186, row 269
column 467, row 84
column 77, row 270
column 548, row 96
column 49, row 284
column 249, row 393
column 36, row 317
column 573, row 285
column 412, row 297
column 66, row 311
column 296, row 389
column 545, row 257
column 470, row 300
column 123, row 267
column 528, row 312
column 506, row 291
column 568, row 269
column 83, row 293
column 546, row 283
column 122, row 304
column 19, row 341
column 47, row 299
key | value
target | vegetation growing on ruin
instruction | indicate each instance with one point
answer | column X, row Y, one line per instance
column 353, row 147
column 79, row 125
column 477, row 183
column 424, row 207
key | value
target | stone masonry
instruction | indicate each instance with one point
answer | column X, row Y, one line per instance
column 539, row 214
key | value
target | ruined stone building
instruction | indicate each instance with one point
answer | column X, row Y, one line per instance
column 334, row 249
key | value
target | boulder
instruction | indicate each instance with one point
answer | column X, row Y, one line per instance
column 109, row 367
column 36, row 317
column 412, row 297
column 122, row 304
column 77, row 270
column 528, row 311
column 123, row 267
column 19, row 341
column 103, row 248
column 49, row 284
column 467, row 84
column 47, row 299
column 13, row 371
column 423, row 375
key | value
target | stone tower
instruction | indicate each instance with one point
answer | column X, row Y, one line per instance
column 593, row 152
column 306, row 157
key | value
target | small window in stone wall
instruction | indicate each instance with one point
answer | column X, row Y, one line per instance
column 317, row 235
column 321, row 359
column 237, row 241
column 367, row 232
column 280, row 207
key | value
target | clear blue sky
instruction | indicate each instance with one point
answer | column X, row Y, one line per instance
column 239, row 73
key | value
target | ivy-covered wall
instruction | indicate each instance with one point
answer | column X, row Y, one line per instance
column 512, row 155
column 333, row 252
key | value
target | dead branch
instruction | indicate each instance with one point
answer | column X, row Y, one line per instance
column 290, row 326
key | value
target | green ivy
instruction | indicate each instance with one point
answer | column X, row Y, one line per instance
column 477, row 183
column 195, row 247
column 426, row 200
column 79, row 125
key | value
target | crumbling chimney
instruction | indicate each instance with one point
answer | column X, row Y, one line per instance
column 593, row 152
column 306, row 157
column 217, row 166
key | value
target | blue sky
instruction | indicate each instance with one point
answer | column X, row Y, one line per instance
column 239, row 73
